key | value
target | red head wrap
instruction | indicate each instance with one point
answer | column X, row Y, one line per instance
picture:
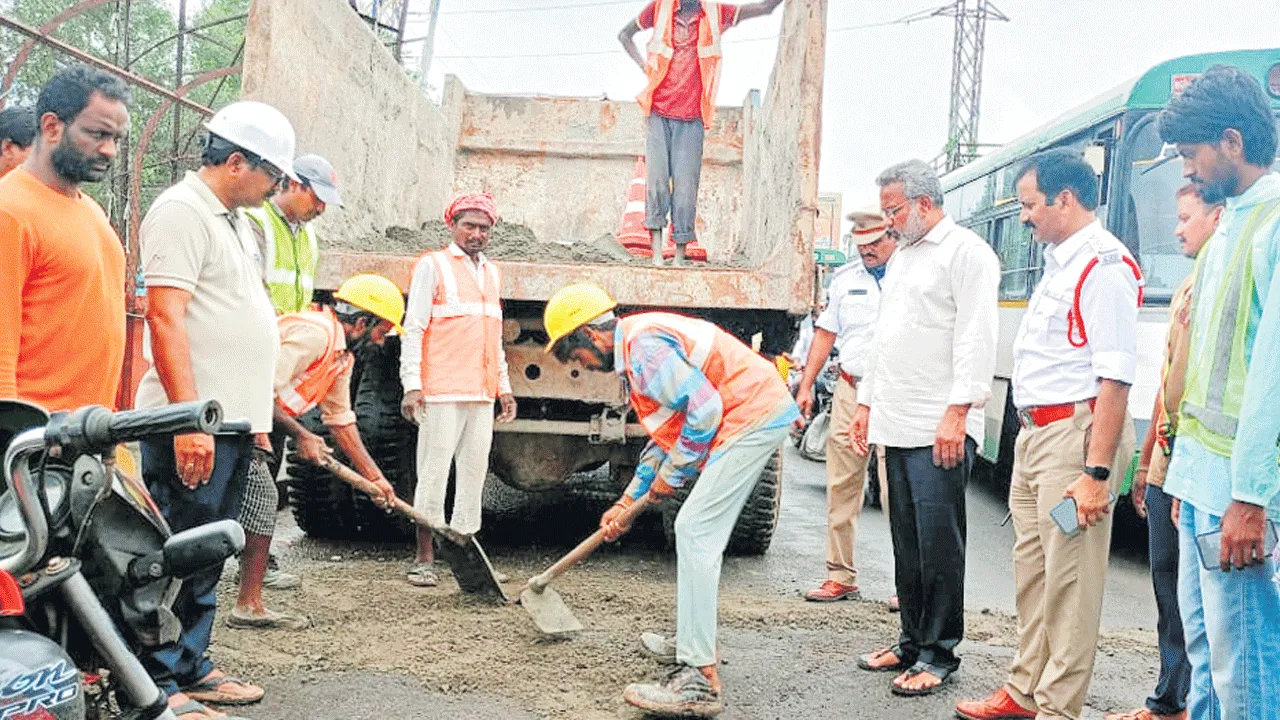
column 478, row 201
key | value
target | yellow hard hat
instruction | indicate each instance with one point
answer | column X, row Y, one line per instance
column 375, row 294
column 572, row 307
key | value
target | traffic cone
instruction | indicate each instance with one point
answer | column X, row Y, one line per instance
column 632, row 234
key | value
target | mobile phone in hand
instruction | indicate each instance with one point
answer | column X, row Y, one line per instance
column 1210, row 546
column 1066, row 516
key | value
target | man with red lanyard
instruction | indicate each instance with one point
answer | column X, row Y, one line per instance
column 1074, row 358
column 683, row 71
column 317, row 352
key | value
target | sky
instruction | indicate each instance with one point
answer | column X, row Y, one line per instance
column 887, row 89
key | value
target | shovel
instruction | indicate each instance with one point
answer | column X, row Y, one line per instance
column 544, row 604
column 471, row 567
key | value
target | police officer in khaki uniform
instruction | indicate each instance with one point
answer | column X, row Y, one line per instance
column 1074, row 360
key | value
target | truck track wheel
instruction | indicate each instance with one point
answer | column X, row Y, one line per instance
column 753, row 532
column 322, row 505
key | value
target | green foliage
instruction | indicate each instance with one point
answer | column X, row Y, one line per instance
column 146, row 45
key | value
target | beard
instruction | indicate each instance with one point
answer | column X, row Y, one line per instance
column 75, row 166
column 915, row 229
column 1216, row 190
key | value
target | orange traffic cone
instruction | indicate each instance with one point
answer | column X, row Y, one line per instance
column 633, row 235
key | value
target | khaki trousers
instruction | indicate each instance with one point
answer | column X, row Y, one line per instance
column 1059, row 579
column 846, row 473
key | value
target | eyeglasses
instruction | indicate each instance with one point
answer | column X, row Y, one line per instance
column 892, row 213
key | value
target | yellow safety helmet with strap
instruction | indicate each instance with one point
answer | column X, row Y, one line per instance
column 375, row 294
column 572, row 307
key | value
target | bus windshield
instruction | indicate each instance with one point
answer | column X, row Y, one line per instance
column 1154, row 179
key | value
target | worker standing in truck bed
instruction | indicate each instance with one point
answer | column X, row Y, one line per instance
column 683, row 71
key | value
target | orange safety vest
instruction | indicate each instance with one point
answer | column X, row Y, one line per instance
column 662, row 48
column 748, row 384
column 308, row 389
column 466, row 320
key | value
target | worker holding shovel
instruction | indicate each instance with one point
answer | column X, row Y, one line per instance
column 317, row 353
column 715, row 412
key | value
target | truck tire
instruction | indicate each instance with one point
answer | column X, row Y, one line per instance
column 321, row 504
column 753, row 532
column 391, row 440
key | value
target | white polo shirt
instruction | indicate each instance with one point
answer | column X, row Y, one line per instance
column 1047, row 368
column 853, row 304
column 935, row 338
column 192, row 242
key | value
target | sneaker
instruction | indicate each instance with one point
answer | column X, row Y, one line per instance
column 276, row 579
column 999, row 706
column 831, row 591
column 662, row 649
column 685, row 693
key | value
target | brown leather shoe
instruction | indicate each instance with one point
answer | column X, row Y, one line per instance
column 831, row 591
column 997, row 707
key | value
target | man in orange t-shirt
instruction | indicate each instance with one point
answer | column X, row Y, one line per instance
column 62, row 277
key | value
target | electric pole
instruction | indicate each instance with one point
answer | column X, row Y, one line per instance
column 966, row 76
column 428, row 45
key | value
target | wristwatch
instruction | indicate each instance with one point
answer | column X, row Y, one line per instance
column 1097, row 472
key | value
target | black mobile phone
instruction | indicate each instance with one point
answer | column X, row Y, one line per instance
column 1210, row 546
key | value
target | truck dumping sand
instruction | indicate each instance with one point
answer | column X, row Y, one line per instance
column 508, row 241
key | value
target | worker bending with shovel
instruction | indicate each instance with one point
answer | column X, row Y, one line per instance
column 715, row 412
column 317, row 352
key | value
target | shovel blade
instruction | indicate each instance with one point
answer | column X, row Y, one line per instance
column 549, row 612
column 471, row 568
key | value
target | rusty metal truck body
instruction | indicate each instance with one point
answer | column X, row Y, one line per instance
column 562, row 167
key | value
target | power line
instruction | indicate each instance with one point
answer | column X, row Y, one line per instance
column 904, row 20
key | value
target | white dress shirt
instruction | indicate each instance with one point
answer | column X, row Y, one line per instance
column 853, row 304
column 935, row 339
column 1047, row 369
column 417, row 315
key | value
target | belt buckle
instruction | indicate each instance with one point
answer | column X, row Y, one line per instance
column 1024, row 417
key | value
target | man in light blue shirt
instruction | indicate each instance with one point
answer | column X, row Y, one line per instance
column 1223, row 468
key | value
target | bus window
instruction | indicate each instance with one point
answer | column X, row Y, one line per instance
column 1012, row 242
column 1154, row 179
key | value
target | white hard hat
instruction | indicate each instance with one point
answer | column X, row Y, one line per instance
column 258, row 128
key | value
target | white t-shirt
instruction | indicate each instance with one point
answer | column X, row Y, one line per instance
column 192, row 242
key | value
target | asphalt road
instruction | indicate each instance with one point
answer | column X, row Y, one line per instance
column 784, row 665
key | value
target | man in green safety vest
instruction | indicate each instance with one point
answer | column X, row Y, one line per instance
column 286, row 237
column 1223, row 470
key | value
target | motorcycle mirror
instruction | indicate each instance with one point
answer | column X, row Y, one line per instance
column 202, row 547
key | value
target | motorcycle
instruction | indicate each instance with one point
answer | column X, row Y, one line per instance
column 811, row 437
column 88, row 566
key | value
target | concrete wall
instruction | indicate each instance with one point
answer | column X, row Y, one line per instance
column 562, row 165
column 351, row 102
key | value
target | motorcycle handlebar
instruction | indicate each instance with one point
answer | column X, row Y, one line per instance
column 94, row 429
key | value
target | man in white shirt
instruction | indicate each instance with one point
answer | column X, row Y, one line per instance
column 1074, row 358
column 452, row 367
column 927, row 377
column 853, row 302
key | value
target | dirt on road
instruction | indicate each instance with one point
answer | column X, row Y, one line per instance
column 507, row 241
column 368, row 620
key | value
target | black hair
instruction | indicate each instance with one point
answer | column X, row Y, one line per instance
column 1063, row 169
column 218, row 150
column 565, row 346
column 350, row 314
column 1223, row 97
column 68, row 91
column 18, row 126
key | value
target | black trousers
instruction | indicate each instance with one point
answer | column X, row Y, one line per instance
column 927, row 521
column 1170, row 696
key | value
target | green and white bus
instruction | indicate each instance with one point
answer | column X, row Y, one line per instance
column 1117, row 133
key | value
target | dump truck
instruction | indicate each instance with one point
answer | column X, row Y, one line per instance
column 560, row 169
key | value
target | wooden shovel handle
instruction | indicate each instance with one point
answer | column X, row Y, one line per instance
column 586, row 547
column 358, row 481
